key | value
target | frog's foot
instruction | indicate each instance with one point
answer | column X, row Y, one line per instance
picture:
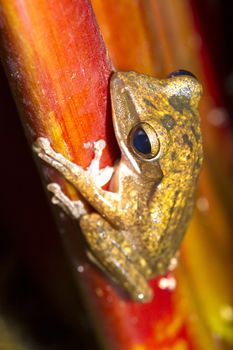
column 114, row 260
column 173, row 262
column 69, row 169
column 73, row 208
column 44, row 150
column 101, row 176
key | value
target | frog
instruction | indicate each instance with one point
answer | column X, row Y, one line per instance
column 138, row 223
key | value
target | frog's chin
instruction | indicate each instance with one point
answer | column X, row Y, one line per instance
column 122, row 169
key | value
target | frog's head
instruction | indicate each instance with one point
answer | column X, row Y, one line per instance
column 156, row 121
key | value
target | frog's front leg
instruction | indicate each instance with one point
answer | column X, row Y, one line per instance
column 107, row 203
column 115, row 256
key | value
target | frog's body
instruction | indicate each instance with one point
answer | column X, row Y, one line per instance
column 139, row 223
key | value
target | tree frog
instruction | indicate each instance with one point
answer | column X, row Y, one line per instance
column 139, row 222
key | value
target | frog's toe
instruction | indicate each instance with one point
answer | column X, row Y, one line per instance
column 41, row 145
column 42, row 142
column 54, row 187
column 143, row 294
column 99, row 145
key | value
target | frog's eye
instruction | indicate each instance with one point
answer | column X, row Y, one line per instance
column 144, row 141
column 181, row 72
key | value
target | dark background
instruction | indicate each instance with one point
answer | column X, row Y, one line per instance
column 215, row 18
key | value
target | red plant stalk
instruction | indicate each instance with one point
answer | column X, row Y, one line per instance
column 58, row 68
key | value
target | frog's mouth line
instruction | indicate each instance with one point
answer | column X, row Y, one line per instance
column 124, row 108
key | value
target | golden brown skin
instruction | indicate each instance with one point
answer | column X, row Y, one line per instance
column 139, row 223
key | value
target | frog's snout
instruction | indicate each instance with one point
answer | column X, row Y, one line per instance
column 121, row 80
column 117, row 80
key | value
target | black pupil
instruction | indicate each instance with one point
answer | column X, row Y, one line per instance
column 141, row 141
column 181, row 72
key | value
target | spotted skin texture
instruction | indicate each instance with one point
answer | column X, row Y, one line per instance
column 139, row 223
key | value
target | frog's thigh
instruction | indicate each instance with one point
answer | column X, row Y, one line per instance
column 100, row 238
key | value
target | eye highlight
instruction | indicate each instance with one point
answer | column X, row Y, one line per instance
column 144, row 141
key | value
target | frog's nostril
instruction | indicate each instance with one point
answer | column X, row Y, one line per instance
column 180, row 72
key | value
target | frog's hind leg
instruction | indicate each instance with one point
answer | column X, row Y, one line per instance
column 103, row 245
